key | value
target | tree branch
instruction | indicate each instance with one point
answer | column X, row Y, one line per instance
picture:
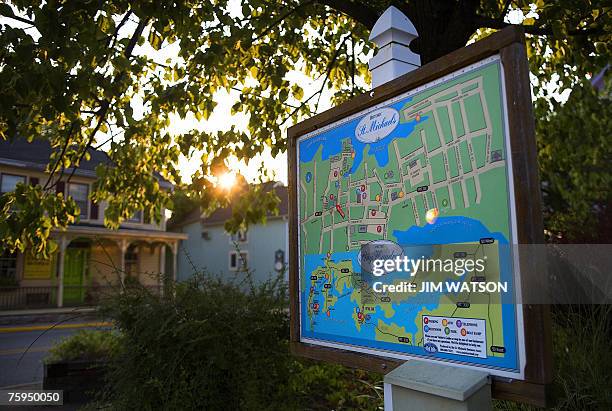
column 362, row 13
column 505, row 10
column 59, row 160
column 353, row 64
column 281, row 18
column 484, row 21
column 260, row 96
column 104, row 107
column 118, row 27
column 329, row 69
column 20, row 19
column 320, row 91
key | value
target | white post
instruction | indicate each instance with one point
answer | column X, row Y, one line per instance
column 174, row 260
column 162, row 268
column 60, row 285
column 421, row 385
column 418, row 384
column 392, row 33
column 123, row 246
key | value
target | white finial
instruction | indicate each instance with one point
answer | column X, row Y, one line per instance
column 392, row 33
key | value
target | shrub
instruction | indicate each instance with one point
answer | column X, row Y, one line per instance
column 581, row 360
column 205, row 345
column 86, row 345
column 212, row 345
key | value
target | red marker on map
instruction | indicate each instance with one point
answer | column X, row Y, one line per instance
column 339, row 210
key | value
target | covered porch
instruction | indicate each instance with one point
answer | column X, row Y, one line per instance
column 92, row 262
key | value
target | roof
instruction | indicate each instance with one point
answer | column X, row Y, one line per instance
column 221, row 215
column 35, row 155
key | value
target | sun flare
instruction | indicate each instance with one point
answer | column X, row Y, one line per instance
column 226, row 181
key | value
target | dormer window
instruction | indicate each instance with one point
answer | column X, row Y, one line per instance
column 80, row 194
column 136, row 217
column 239, row 237
column 9, row 182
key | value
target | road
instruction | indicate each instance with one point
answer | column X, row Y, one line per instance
column 17, row 368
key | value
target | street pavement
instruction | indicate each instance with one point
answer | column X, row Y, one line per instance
column 27, row 336
column 20, row 365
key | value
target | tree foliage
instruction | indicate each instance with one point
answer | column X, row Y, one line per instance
column 93, row 74
column 575, row 155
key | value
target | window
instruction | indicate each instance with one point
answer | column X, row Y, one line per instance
column 9, row 182
column 238, row 261
column 8, row 268
column 136, row 217
column 239, row 237
column 80, row 194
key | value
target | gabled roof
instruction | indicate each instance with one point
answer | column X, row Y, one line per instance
column 221, row 215
column 35, row 156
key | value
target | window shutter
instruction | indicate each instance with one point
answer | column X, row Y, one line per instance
column 33, row 181
column 93, row 211
column 60, row 187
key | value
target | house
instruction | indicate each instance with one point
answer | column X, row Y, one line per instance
column 90, row 258
column 262, row 249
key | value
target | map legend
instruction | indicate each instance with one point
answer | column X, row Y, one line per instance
column 460, row 336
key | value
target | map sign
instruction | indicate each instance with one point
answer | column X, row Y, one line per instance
column 427, row 172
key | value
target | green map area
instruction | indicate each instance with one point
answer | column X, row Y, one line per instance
column 438, row 177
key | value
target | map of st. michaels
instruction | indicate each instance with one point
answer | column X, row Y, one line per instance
column 428, row 172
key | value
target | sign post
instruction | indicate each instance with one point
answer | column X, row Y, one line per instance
column 418, row 384
column 435, row 166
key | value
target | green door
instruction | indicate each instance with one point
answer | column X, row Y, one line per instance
column 75, row 265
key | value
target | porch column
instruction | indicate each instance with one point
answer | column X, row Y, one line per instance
column 123, row 246
column 174, row 259
column 63, row 243
column 162, row 268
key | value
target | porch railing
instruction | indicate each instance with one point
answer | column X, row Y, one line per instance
column 13, row 298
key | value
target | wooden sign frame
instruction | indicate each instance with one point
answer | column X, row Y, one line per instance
column 510, row 45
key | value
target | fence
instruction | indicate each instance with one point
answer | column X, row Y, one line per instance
column 12, row 298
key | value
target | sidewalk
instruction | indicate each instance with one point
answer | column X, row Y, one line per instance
column 48, row 316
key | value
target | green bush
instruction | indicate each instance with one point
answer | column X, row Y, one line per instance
column 582, row 338
column 86, row 345
column 211, row 345
column 583, row 364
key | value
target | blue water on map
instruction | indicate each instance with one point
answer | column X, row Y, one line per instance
column 341, row 327
column 447, row 230
column 332, row 141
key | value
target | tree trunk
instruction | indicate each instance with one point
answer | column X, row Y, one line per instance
column 443, row 25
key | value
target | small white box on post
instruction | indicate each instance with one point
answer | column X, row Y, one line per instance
column 392, row 33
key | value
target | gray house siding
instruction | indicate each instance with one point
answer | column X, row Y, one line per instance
column 212, row 253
